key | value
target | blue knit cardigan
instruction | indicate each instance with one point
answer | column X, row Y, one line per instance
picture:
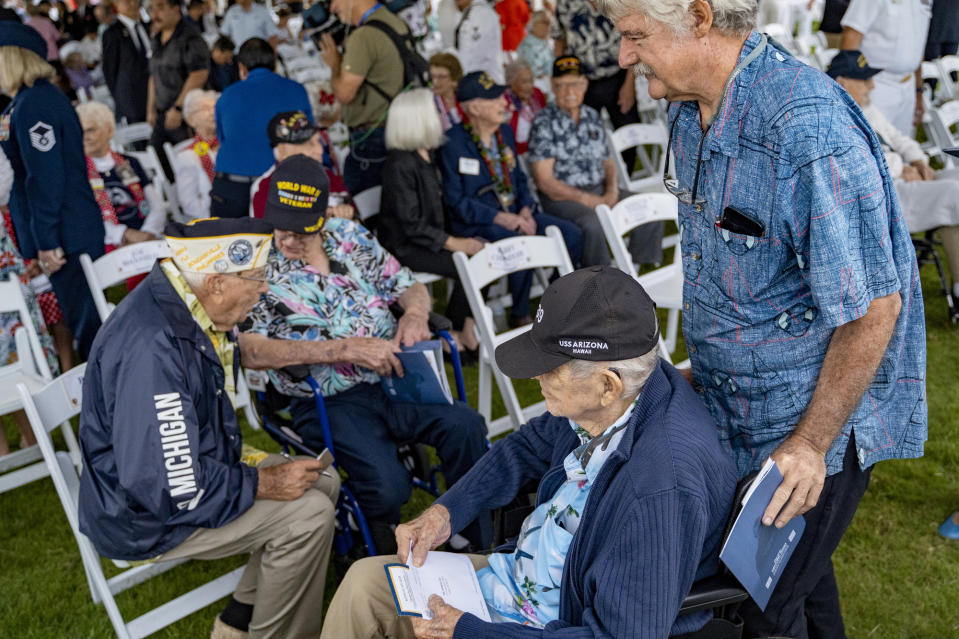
column 651, row 527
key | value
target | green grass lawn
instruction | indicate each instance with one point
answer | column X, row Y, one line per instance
column 897, row 577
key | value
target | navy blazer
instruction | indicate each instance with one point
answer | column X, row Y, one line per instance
column 126, row 71
column 471, row 199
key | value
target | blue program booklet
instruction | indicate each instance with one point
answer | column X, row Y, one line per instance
column 757, row 554
column 424, row 376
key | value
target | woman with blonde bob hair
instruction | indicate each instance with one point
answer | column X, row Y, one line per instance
column 412, row 222
column 54, row 213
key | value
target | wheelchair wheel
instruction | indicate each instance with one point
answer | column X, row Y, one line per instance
column 416, row 459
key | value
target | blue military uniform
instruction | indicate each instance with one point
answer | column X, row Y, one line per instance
column 52, row 204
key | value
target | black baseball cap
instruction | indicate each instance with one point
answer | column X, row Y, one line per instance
column 567, row 65
column 290, row 127
column 298, row 195
column 599, row 314
column 478, row 84
column 851, row 64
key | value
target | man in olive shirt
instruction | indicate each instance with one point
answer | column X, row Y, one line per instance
column 365, row 79
column 179, row 63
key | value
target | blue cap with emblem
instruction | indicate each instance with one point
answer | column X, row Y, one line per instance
column 478, row 84
column 17, row 34
column 219, row 245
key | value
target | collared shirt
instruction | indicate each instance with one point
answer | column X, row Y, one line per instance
column 222, row 343
column 524, row 586
column 893, row 32
column 790, row 150
column 241, row 25
column 140, row 38
column 352, row 301
column 589, row 35
column 174, row 60
column 242, row 115
column 370, row 53
column 579, row 148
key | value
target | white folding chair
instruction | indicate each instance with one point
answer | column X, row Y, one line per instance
column 24, row 466
column 494, row 262
column 367, row 202
column 54, row 404
column 118, row 265
column 639, row 136
column 948, row 64
column 126, row 135
column 941, row 120
column 665, row 284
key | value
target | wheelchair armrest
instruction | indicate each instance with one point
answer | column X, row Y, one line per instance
column 296, row 372
column 439, row 323
column 713, row 592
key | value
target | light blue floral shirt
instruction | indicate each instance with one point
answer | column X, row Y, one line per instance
column 790, row 150
column 524, row 586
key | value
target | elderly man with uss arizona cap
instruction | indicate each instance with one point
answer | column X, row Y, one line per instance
column 634, row 488
column 164, row 475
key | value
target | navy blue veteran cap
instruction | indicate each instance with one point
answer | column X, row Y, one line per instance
column 219, row 245
column 298, row 195
column 851, row 64
column 599, row 314
column 17, row 34
column 290, row 127
column 478, row 84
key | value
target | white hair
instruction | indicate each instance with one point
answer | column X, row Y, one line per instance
column 514, row 67
column 413, row 122
column 729, row 16
column 98, row 113
column 194, row 100
column 634, row 372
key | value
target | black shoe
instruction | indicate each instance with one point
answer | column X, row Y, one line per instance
column 515, row 322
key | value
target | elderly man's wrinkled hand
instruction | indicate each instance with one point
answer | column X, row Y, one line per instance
column 378, row 355
column 288, row 481
column 427, row 532
column 443, row 623
column 345, row 211
column 413, row 327
column 803, row 467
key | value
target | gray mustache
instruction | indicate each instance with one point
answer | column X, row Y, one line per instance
column 641, row 68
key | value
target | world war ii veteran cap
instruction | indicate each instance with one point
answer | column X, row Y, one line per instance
column 567, row 65
column 598, row 314
column 298, row 195
column 16, row 34
column 219, row 245
column 851, row 64
column 290, row 127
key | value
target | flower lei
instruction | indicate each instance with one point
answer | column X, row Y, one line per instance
column 202, row 149
column 503, row 186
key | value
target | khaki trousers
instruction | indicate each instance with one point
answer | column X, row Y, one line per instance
column 363, row 607
column 290, row 546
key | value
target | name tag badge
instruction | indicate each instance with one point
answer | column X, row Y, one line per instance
column 469, row 166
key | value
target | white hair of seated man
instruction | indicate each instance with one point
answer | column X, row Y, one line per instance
column 729, row 16
column 194, row 101
column 97, row 113
column 413, row 123
column 634, row 372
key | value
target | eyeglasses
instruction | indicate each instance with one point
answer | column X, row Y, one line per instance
column 577, row 85
column 260, row 277
column 672, row 184
column 282, row 236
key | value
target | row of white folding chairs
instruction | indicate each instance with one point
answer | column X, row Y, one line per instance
column 940, row 122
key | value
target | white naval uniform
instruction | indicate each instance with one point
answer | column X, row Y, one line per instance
column 894, row 40
column 926, row 205
column 479, row 40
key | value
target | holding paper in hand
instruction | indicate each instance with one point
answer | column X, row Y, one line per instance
column 446, row 574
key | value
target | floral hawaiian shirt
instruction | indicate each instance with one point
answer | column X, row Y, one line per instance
column 799, row 230
column 352, row 301
column 589, row 35
column 524, row 586
column 578, row 148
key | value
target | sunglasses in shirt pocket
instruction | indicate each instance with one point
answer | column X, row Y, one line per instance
column 739, row 230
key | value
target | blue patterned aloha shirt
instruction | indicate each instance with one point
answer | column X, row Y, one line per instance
column 589, row 35
column 524, row 586
column 538, row 53
column 578, row 148
column 790, row 150
column 352, row 301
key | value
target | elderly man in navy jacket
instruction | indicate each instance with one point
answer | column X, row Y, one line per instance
column 634, row 488
column 164, row 475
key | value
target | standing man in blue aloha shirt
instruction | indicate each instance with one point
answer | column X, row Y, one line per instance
column 802, row 303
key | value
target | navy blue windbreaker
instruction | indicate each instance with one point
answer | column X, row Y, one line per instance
column 160, row 440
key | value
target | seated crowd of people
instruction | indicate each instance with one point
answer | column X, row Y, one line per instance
column 277, row 265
